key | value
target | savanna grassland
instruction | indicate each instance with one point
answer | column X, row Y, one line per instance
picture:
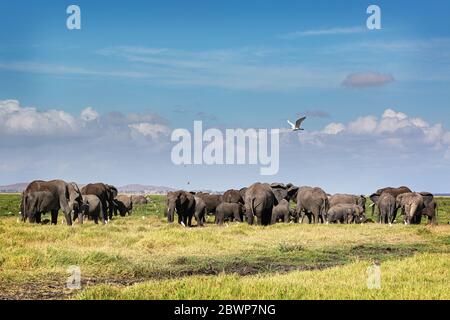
column 143, row 257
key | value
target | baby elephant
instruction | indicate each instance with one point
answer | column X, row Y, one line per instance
column 229, row 211
column 92, row 207
column 281, row 212
column 344, row 213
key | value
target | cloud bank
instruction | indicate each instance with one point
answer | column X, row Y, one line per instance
column 367, row 79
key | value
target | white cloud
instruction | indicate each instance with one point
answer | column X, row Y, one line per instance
column 15, row 119
column 153, row 131
column 323, row 32
column 333, row 128
column 367, row 79
column 393, row 128
column 19, row 121
column 89, row 114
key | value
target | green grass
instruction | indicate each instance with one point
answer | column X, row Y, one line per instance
column 143, row 257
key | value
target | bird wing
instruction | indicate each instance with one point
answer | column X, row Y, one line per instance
column 298, row 123
column 291, row 124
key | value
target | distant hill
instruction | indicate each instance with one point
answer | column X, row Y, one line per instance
column 144, row 189
column 14, row 188
column 130, row 189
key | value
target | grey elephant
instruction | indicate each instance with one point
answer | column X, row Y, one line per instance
column 105, row 192
column 123, row 204
column 183, row 203
column 92, row 207
column 340, row 198
column 58, row 195
column 211, row 201
column 412, row 204
column 312, row 202
column 38, row 203
column 387, row 206
column 283, row 191
column 200, row 211
column 345, row 213
column 232, row 196
column 393, row 191
column 229, row 211
column 259, row 201
column 430, row 208
column 139, row 199
column 282, row 212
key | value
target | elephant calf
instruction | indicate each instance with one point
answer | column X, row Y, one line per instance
column 200, row 211
column 229, row 211
column 344, row 213
column 92, row 207
column 281, row 212
column 124, row 204
column 40, row 202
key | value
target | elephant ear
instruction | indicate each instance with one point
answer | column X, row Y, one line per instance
column 374, row 197
column 427, row 198
column 280, row 194
column 277, row 185
column 292, row 192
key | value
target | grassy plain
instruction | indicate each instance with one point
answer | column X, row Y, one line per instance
column 143, row 257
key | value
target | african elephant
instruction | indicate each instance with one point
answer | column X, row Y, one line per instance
column 344, row 213
column 92, row 207
column 313, row 202
column 412, row 204
column 229, row 211
column 60, row 194
column 183, row 203
column 123, row 204
column 105, row 192
column 211, row 201
column 430, row 208
column 38, row 203
column 282, row 212
column 387, row 206
column 232, row 196
column 282, row 191
column 200, row 211
column 259, row 201
column 139, row 199
column 393, row 191
column 339, row 198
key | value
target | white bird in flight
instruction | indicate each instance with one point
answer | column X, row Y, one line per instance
column 298, row 123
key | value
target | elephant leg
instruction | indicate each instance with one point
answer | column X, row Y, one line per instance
column 237, row 217
column 68, row 217
column 54, row 216
column 316, row 217
column 96, row 218
column 198, row 219
column 274, row 219
column 105, row 210
column 250, row 218
column 38, row 217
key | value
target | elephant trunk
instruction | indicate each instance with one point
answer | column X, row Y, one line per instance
column 170, row 213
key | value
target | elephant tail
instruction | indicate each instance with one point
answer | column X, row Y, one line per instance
column 252, row 206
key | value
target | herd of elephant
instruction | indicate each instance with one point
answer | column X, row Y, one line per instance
column 95, row 201
column 270, row 203
column 260, row 203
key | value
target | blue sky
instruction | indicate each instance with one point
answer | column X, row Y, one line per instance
column 230, row 64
